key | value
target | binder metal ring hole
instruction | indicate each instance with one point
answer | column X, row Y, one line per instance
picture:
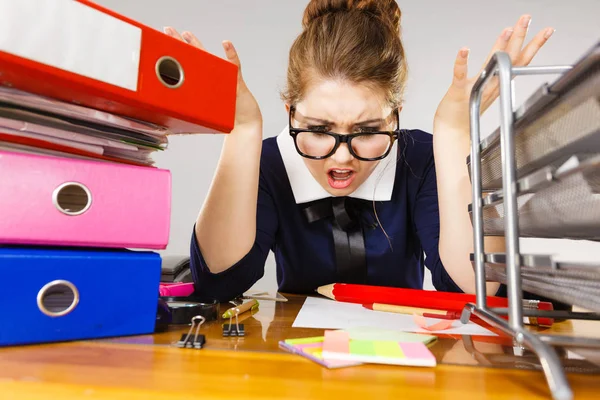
column 72, row 198
column 58, row 298
column 169, row 72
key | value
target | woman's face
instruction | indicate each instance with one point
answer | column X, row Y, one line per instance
column 343, row 108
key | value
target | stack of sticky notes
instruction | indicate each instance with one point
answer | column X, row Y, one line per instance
column 339, row 346
column 312, row 348
column 345, row 348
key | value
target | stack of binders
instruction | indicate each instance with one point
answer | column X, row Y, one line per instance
column 86, row 97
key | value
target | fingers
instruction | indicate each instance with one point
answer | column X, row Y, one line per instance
column 515, row 44
column 461, row 67
column 500, row 45
column 232, row 56
column 191, row 39
column 186, row 36
column 533, row 47
column 173, row 33
column 511, row 41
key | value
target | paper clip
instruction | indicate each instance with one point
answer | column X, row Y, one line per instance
column 199, row 340
column 229, row 330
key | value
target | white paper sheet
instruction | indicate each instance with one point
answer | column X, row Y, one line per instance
column 329, row 314
column 47, row 132
column 64, row 142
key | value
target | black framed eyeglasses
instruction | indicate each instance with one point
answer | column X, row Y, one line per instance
column 318, row 144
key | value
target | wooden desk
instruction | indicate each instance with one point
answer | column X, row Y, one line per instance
column 149, row 367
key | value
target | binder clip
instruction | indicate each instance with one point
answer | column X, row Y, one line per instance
column 231, row 330
column 199, row 340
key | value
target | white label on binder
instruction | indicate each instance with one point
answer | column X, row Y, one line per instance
column 74, row 37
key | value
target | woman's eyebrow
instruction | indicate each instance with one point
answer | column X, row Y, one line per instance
column 370, row 121
column 319, row 120
column 326, row 122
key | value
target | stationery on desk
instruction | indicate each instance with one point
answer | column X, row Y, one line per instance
column 352, row 347
column 365, row 294
column 312, row 349
column 328, row 314
column 451, row 303
column 424, row 312
column 251, row 305
column 353, row 308
column 338, row 345
column 238, row 329
column 348, row 307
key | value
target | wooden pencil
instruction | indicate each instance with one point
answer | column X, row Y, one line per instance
column 403, row 309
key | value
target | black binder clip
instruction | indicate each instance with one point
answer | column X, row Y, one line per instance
column 234, row 330
column 198, row 340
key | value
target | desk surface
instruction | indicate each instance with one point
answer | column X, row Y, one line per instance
column 150, row 367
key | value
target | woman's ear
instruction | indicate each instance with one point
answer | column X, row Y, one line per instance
column 287, row 108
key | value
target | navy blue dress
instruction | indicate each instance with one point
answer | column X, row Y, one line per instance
column 304, row 251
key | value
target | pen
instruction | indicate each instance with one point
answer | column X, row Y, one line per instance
column 249, row 305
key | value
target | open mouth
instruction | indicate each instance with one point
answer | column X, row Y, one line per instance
column 340, row 178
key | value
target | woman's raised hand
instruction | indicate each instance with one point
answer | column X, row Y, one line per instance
column 247, row 112
column 453, row 110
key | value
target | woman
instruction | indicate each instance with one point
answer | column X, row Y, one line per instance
column 343, row 194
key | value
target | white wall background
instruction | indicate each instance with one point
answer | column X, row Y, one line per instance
column 433, row 31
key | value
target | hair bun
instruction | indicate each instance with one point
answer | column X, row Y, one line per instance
column 386, row 10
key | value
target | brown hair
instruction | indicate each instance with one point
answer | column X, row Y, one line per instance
column 353, row 40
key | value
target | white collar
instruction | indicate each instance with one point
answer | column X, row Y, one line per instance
column 378, row 186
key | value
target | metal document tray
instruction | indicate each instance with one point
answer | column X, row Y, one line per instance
column 552, row 202
column 571, row 283
column 558, row 120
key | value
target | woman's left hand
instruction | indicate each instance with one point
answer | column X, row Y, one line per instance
column 453, row 110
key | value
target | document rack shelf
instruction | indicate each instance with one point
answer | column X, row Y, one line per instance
column 538, row 175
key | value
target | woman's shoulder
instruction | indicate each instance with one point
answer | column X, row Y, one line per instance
column 415, row 147
column 270, row 154
column 270, row 145
column 417, row 139
column 272, row 167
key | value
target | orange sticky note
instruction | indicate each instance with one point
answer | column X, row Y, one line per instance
column 438, row 326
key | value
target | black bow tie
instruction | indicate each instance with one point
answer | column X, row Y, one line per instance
column 348, row 234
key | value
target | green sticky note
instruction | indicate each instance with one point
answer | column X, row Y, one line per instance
column 308, row 340
column 362, row 347
column 388, row 335
column 388, row 349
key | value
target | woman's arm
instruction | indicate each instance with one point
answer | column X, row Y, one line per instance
column 454, row 196
column 451, row 144
column 226, row 225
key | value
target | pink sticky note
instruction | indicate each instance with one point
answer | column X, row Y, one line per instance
column 418, row 351
column 336, row 342
column 438, row 326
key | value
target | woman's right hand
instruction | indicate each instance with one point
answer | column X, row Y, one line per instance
column 247, row 112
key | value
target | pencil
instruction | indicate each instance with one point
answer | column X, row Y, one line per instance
column 425, row 312
column 249, row 305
